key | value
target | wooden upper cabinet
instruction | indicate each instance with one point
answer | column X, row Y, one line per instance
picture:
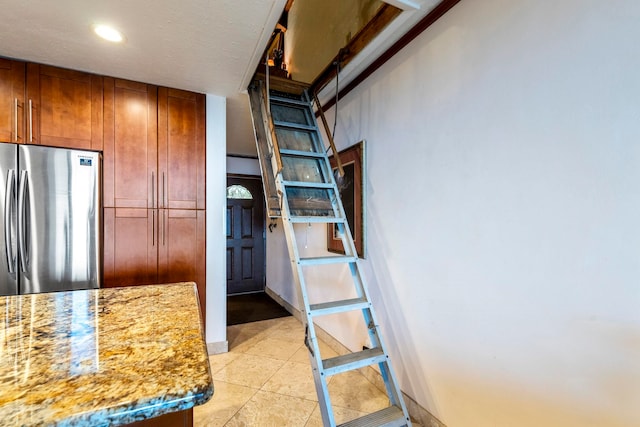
column 12, row 79
column 63, row 108
column 130, row 144
column 181, row 149
column 130, row 246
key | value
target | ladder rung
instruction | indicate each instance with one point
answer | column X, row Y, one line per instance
column 387, row 417
column 334, row 307
column 352, row 361
column 319, row 185
column 281, row 100
column 292, row 125
column 317, row 219
column 312, row 154
column 328, row 260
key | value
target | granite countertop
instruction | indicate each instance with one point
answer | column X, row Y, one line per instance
column 101, row 357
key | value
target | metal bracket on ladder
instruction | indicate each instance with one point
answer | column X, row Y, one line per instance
column 302, row 178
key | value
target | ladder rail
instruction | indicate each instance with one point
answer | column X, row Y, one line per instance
column 344, row 231
column 332, row 143
column 311, row 338
column 271, row 135
column 386, row 370
column 378, row 353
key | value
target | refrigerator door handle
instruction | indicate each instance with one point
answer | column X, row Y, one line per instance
column 7, row 219
column 21, row 219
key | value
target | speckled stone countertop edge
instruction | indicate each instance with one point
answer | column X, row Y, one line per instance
column 141, row 407
column 118, row 416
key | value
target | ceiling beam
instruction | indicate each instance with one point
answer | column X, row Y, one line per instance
column 403, row 4
column 414, row 32
column 383, row 17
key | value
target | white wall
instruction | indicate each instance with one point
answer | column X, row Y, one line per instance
column 503, row 204
column 243, row 166
column 216, row 327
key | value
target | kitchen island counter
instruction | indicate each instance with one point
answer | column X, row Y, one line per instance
column 102, row 357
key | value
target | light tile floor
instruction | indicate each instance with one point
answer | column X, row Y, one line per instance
column 265, row 380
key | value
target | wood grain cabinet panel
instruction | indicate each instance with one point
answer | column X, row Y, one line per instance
column 174, row 419
column 130, row 144
column 181, row 248
column 181, row 149
column 130, row 246
column 154, row 157
column 64, row 108
column 12, row 87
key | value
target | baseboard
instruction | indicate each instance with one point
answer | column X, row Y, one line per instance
column 217, row 347
column 416, row 411
column 291, row 309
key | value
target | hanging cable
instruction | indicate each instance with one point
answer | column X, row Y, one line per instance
column 335, row 116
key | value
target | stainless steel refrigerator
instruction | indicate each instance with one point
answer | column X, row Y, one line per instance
column 51, row 217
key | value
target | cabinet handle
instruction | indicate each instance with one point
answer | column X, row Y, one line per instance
column 164, row 229
column 153, row 228
column 153, row 190
column 15, row 120
column 30, row 121
column 164, row 202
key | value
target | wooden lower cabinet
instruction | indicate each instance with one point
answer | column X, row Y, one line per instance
column 130, row 247
column 174, row 419
column 181, row 248
column 147, row 246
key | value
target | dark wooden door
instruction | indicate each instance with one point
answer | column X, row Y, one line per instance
column 245, row 236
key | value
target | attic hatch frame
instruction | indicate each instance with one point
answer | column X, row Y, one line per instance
column 267, row 143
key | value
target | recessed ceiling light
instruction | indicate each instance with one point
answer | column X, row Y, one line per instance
column 108, row 33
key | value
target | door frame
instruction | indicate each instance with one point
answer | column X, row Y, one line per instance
column 257, row 178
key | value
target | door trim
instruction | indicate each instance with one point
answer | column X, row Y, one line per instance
column 264, row 224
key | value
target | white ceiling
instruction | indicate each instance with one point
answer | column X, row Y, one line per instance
column 208, row 46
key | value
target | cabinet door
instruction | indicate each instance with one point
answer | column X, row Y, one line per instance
column 174, row 419
column 182, row 249
column 12, row 79
column 64, row 108
column 181, row 149
column 130, row 246
column 130, row 144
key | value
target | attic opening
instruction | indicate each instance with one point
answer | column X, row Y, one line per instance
column 315, row 38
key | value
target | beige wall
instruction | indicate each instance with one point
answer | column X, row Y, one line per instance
column 317, row 29
column 503, row 197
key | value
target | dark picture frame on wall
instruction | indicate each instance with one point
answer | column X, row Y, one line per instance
column 351, row 188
